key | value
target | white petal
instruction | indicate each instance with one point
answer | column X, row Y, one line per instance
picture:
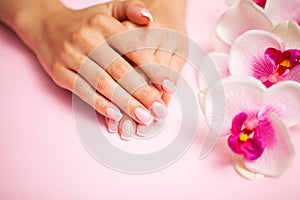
column 289, row 32
column 284, row 97
column 229, row 97
column 231, row 2
column 241, row 17
column 278, row 158
column 247, row 52
column 239, row 166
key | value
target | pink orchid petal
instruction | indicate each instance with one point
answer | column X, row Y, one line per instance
column 242, row 16
column 293, row 75
column 233, row 95
column 276, row 158
column 280, row 10
column 239, row 166
column 289, row 32
column 283, row 99
column 247, row 53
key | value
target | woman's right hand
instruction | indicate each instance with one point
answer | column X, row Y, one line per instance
column 63, row 40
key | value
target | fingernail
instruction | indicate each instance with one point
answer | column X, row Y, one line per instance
column 112, row 126
column 159, row 110
column 148, row 131
column 142, row 130
column 146, row 13
column 168, row 86
column 127, row 129
column 114, row 113
column 144, row 116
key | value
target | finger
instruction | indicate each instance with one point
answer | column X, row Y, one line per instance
column 151, row 130
column 143, row 57
column 112, row 125
column 166, row 98
column 176, row 63
column 71, row 81
column 127, row 128
column 164, row 57
column 105, row 85
column 133, row 10
column 131, row 80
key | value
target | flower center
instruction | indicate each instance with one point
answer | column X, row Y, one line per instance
column 244, row 138
column 283, row 63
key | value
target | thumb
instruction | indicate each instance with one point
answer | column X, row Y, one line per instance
column 133, row 10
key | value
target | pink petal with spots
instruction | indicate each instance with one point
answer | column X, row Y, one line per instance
column 277, row 157
column 247, row 53
column 231, row 96
column 241, row 17
column 281, row 10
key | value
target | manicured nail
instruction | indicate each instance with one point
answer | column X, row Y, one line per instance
column 142, row 130
column 168, row 86
column 112, row 126
column 114, row 113
column 127, row 129
column 148, row 131
column 159, row 110
column 144, row 116
column 146, row 13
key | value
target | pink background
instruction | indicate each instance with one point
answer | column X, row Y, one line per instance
column 41, row 156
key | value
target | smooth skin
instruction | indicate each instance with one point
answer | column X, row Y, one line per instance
column 62, row 39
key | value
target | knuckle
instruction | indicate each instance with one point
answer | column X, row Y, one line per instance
column 146, row 92
column 99, row 20
column 79, row 35
column 64, row 48
column 103, row 83
column 118, row 71
column 55, row 73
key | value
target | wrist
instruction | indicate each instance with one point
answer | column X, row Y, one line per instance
column 27, row 20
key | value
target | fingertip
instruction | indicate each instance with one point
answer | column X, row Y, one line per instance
column 139, row 15
column 112, row 126
column 168, row 86
column 146, row 13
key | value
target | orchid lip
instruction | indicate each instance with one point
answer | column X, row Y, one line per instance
column 244, row 138
column 283, row 62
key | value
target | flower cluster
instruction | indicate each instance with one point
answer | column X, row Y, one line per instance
column 257, row 53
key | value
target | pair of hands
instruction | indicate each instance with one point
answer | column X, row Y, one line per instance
column 69, row 45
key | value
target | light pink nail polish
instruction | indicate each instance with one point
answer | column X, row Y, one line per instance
column 127, row 129
column 151, row 130
column 159, row 110
column 146, row 13
column 114, row 113
column 168, row 86
column 112, row 126
column 143, row 115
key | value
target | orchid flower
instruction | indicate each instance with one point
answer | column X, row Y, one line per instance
column 239, row 18
column 278, row 10
column 257, row 121
column 264, row 55
column 246, row 15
